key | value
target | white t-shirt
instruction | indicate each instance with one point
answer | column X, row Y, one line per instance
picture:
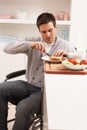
column 48, row 46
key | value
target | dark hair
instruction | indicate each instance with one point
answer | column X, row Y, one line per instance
column 45, row 18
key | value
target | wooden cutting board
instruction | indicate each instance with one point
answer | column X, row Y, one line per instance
column 58, row 68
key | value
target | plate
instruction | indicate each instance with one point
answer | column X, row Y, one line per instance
column 73, row 67
column 47, row 58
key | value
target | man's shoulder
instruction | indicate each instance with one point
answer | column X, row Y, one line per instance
column 62, row 40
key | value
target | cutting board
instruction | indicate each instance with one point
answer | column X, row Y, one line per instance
column 58, row 68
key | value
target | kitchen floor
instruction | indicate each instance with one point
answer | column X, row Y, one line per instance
column 10, row 125
column 11, row 115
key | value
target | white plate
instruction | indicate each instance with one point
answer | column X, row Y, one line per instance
column 47, row 58
column 73, row 67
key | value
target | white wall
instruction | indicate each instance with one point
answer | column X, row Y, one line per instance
column 10, row 63
column 78, row 33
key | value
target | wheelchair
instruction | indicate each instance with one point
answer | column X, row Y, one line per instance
column 37, row 124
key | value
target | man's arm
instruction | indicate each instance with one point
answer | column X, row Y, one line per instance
column 17, row 47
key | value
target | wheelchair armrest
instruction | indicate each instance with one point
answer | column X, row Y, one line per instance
column 15, row 74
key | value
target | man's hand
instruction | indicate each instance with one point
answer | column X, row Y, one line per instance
column 60, row 52
column 38, row 46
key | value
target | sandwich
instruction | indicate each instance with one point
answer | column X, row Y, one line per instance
column 56, row 58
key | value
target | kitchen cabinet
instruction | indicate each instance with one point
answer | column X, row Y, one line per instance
column 74, row 29
column 22, row 28
column 66, row 97
column 66, row 104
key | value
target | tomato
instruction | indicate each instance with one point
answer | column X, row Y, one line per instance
column 73, row 61
column 83, row 62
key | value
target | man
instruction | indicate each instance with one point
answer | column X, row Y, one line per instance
column 27, row 94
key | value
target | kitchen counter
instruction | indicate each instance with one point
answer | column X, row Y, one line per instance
column 58, row 68
column 66, row 97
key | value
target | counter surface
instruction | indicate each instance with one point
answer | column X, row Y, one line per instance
column 58, row 68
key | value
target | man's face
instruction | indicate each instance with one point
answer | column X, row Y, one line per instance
column 48, row 32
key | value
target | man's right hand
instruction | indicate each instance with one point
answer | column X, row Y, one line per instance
column 38, row 46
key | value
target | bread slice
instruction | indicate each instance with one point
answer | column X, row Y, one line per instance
column 56, row 58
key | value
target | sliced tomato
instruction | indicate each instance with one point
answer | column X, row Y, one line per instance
column 73, row 61
column 83, row 62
